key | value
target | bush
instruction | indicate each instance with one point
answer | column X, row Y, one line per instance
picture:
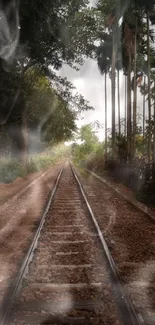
column 96, row 163
column 10, row 169
column 38, row 163
column 146, row 192
column 136, row 175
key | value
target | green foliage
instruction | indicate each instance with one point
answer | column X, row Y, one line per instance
column 37, row 163
column 51, row 33
column 61, row 151
column 39, row 96
column 89, row 144
column 47, row 111
column 10, row 169
column 54, row 32
column 87, row 134
column 60, row 123
column 47, row 114
column 139, row 145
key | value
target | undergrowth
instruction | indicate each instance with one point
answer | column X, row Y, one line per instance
column 136, row 175
column 10, row 169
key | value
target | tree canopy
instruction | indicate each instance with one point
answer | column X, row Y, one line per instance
column 38, row 38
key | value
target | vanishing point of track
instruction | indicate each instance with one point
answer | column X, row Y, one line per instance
column 68, row 275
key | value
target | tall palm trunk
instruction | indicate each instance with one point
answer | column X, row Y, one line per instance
column 144, row 114
column 135, row 94
column 149, row 87
column 113, row 68
column 129, row 109
column 154, row 134
column 118, row 94
column 125, row 127
column 105, row 116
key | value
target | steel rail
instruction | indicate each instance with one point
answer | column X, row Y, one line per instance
column 129, row 314
column 15, row 287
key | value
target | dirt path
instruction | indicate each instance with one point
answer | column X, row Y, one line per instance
column 7, row 191
column 18, row 222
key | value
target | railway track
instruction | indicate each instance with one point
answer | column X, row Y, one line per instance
column 129, row 230
column 68, row 275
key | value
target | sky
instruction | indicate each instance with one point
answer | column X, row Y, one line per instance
column 90, row 83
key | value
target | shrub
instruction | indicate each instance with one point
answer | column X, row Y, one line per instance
column 10, row 169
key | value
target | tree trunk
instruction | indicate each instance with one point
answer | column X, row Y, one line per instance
column 125, row 127
column 135, row 95
column 113, row 68
column 2, row 151
column 129, row 109
column 105, row 116
column 18, row 133
column 149, row 87
column 154, row 133
column 24, row 143
column 118, row 94
column 144, row 116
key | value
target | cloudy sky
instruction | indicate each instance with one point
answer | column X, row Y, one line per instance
column 90, row 83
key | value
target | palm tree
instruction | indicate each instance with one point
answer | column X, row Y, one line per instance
column 154, row 131
column 135, row 91
column 113, row 71
column 125, row 127
column 119, row 68
column 149, row 12
column 112, row 14
column 108, row 9
column 144, row 110
column 129, row 128
column 118, row 94
column 131, row 23
column 105, row 116
column 103, row 55
column 127, row 60
column 149, row 85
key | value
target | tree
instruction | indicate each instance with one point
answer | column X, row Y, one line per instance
column 148, row 8
column 50, row 35
column 144, row 112
column 135, row 90
column 85, row 144
column 50, row 115
column 149, row 86
column 103, row 55
column 127, row 40
column 111, row 26
column 87, row 134
column 119, row 68
column 53, row 32
column 105, row 116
